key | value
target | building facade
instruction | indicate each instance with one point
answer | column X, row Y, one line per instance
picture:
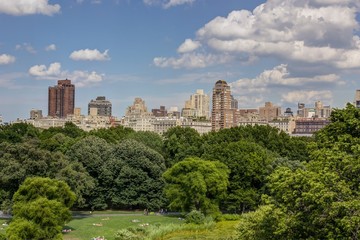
column 222, row 115
column 137, row 117
column 36, row 114
column 269, row 112
column 198, row 106
column 357, row 98
column 100, row 107
column 61, row 101
column 318, row 111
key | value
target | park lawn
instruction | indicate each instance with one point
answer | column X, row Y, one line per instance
column 89, row 227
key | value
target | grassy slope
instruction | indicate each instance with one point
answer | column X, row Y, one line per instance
column 84, row 228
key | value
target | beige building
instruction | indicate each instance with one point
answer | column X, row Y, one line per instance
column 286, row 125
column 222, row 115
column 137, row 117
column 198, row 106
column 161, row 125
column 269, row 112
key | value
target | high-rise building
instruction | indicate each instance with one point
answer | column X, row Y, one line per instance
column 234, row 103
column 319, row 111
column 35, row 114
column 99, row 107
column 198, row 106
column 222, row 115
column 269, row 112
column 357, row 98
column 61, row 99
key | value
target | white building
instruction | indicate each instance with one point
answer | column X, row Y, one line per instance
column 201, row 127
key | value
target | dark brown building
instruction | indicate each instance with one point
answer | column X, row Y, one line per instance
column 61, row 99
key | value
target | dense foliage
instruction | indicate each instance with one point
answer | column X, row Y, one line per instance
column 117, row 168
column 321, row 200
column 195, row 184
column 120, row 168
column 41, row 207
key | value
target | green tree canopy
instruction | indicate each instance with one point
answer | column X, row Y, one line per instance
column 40, row 209
column 321, row 200
column 249, row 164
column 132, row 178
column 196, row 184
column 18, row 132
column 180, row 143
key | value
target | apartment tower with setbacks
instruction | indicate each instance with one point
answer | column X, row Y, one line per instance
column 61, row 99
column 222, row 115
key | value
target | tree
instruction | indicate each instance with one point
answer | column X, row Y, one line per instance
column 271, row 138
column 321, row 200
column 196, row 184
column 113, row 134
column 18, row 132
column 180, row 143
column 150, row 139
column 132, row 177
column 249, row 164
column 40, row 209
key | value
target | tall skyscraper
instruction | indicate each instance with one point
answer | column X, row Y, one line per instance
column 222, row 115
column 198, row 105
column 61, row 99
column 100, row 106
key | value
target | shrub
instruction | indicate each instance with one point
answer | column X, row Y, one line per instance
column 195, row 217
column 229, row 217
column 125, row 234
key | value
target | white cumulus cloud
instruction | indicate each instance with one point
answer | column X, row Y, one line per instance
column 309, row 32
column 188, row 46
column 78, row 77
column 53, row 70
column 51, row 47
column 279, row 76
column 307, row 96
column 27, row 7
column 90, row 55
column 6, row 59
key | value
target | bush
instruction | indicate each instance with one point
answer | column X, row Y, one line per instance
column 125, row 234
column 195, row 217
column 229, row 217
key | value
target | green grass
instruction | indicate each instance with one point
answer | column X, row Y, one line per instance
column 88, row 227
column 159, row 227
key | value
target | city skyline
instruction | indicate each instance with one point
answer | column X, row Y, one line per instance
column 283, row 52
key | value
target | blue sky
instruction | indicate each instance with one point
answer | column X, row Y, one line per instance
column 284, row 51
